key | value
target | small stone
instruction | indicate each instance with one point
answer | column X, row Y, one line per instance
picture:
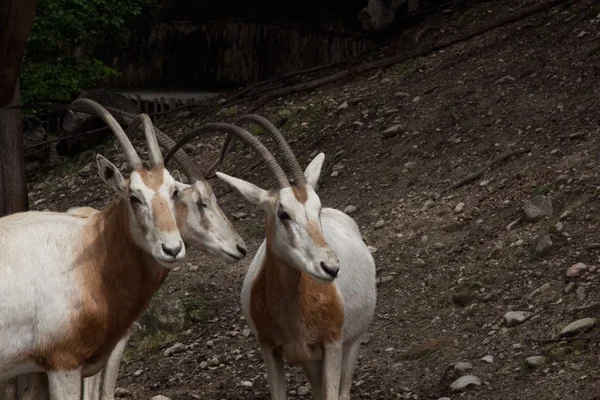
column 438, row 245
column 582, row 34
column 372, row 249
column 335, row 173
column 484, row 182
column 343, row 106
column 505, row 79
column 459, row 208
column 592, row 246
column 535, row 361
column 393, row 130
column 203, row 364
column 420, row 263
column 416, row 99
column 543, row 245
column 349, row 209
column 239, row 215
column 246, row 332
column 122, row 392
column 541, row 290
column 559, row 227
column 514, row 318
column 576, row 270
column 386, row 278
column 194, row 268
column 176, row 348
column 580, row 293
column 338, row 167
column 246, row 384
column 160, row 396
column 428, row 204
column 302, row 391
column 401, row 94
column 463, row 367
column 379, row 224
column 488, row 359
column 138, row 372
column 210, row 343
column 410, row 165
column 570, row 287
column 537, row 208
column 214, row 362
column 579, row 326
column 464, row 382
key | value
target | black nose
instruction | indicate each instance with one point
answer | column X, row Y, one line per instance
column 172, row 251
column 331, row 271
column 241, row 249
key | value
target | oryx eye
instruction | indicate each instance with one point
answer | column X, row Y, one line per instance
column 134, row 200
column 283, row 216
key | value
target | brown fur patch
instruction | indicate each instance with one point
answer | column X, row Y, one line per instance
column 316, row 234
column 300, row 193
column 292, row 312
column 153, row 178
column 181, row 211
column 116, row 280
column 163, row 218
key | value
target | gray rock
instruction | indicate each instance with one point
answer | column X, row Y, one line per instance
column 165, row 313
column 514, row 318
column 246, row 384
column 303, row 391
column 570, row 287
column 579, row 326
column 343, row 106
column 463, row 367
column 160, row 397
column 464, row 382
column 401, row 94
column 488, row 359
column 139, row 372
column 559, row 227
column 581, row 293
column 246, row 332
column 459, row 207
column 214, row 362
column 576, row 270
column 505, row 79
column 535, row 361
column 335, row 173
column 537, row 208
column 176, row 348
column 438, row 245
column 539, row 291
column 393, row 130
column 203, row 364
column 543, row 245
column 350, row 209
column 379, row 224
column 239, row 215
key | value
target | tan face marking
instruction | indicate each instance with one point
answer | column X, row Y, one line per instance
column 300, row 193
column 315, row 233
column 163, row 220
column 153, row 178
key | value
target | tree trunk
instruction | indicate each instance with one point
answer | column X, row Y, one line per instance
column 13, row 189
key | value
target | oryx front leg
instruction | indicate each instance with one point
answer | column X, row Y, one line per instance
column 111, row 371
column 332, row 370
column 348, row 364
column 275, row 372
column 314, row 371
column 65, row 385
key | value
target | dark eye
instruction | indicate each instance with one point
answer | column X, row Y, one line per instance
column 175, row 194
column 134, row 200
column 284, row 216
column 202, row 205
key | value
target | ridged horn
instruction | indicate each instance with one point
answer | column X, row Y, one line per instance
column 243, row 134
column 290, row 158
column 90, row 106
column 154, row 154
column 187, row 165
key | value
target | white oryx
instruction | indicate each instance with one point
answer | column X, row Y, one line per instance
column 309, row 294
column 71, row 287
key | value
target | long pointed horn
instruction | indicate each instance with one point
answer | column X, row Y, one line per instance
column 290, row 158
column 245, row 136
column 187, row 165
column 156, row 158
column 87, row 105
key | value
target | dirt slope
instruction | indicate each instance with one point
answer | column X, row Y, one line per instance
column 447, row 277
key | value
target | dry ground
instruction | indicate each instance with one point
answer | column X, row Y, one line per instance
column 532, row 84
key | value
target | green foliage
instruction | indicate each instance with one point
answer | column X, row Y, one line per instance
column 72, row 43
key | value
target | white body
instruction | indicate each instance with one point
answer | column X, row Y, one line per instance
column 355, row 284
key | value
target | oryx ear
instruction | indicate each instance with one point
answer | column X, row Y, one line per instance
column 110, row 174
column 177, row 176
column 252, row 193
column 313, row 171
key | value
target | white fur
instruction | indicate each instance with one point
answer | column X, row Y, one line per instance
column 330, row 373
column 40, row 288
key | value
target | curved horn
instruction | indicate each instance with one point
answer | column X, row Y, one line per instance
column 156, row 158
column 187, row 165
column 90, row 106
column 242, row 134
column 290, row 158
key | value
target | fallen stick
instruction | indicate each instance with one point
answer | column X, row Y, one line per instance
column 487, row 167
column 590, row 306
column 568, row 339
column 418, row 52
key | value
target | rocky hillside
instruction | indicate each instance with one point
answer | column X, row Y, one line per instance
column 479, row 285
